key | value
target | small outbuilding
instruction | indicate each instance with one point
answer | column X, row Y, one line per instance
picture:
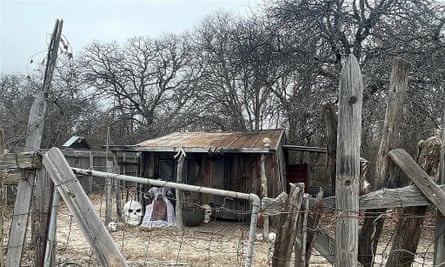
column 249, row 162
column 76, row 142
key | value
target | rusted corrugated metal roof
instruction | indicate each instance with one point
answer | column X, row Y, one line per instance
column 215, row 141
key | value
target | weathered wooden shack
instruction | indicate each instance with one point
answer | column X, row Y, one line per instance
column 248, row 162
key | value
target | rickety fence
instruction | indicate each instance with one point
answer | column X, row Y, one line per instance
column 345, row 209
column 124, row 163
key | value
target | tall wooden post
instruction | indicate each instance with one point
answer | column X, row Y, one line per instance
column 108, row 192
column 348, row 163
column 117, row 188
column 179, row 220
column 264, row 193
column 439, row 240
column 330, row 120
column 2, row 150
column 33, row 140
column 373, row 224
column 286, row 234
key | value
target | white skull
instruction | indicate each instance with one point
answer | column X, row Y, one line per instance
column 133, row 212
column 112, row 227
column 207, row 212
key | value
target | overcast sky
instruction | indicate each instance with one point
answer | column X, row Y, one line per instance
column 26, row 25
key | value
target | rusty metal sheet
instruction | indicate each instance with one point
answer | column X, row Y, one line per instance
column 217, row 140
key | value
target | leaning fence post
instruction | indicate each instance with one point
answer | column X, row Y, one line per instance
column 391, row 138
column 348, row 163
column 288, row 231
column 2, row 150
column 80, row 206
column 439, row 244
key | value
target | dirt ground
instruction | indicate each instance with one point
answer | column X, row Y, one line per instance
column 219, row 243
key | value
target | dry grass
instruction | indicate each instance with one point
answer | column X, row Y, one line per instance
column 218, row 243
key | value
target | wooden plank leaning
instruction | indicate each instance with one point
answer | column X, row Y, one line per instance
column 81, row 207
column 423, row 181
column 439, row 240
column 2, row 207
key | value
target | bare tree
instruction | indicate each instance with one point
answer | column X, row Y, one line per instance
column 237, row 56
column 16, row 96
column 145, row 81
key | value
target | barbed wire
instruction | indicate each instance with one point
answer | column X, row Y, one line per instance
column 219, row 243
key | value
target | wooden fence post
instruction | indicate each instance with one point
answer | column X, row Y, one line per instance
column 286, row 235
column 409, row 227
column 179, row 220
column 348, row 163
column 439, row 240
column 33, row 140
column 117, row 188
column 373, row 224
column 108, row 192
column 330, row 121
column 80, row 206
column 2, row 212
column 264, row 193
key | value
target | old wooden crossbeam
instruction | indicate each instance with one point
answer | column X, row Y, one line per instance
column 423, row 181
column 25, row 160
column 387, row 198
column 11, row 162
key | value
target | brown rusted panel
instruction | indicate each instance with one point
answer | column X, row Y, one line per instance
column 206, row 179
column 215, row 140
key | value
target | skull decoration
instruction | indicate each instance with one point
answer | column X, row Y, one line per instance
column 133, row 212
column 207, row 212
column 112, row 227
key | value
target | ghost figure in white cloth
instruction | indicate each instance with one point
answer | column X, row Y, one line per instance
column 160, row 212
column 133, row 212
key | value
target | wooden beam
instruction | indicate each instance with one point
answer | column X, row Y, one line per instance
column 43, row 191
column 25, row 160
column 9, row 178
column 313, row 224
column 428, row 187
column 264, row 193
column 179, row 218
column 2, row 202
column 396, row 98
column 83, row 210
column 439, row 240
column 387, row 198
column 373, row 225
column 17, row 230
column 330, row 121
column 408, row 228
column 325, row 244
column 348, row 163
column 287, row 232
